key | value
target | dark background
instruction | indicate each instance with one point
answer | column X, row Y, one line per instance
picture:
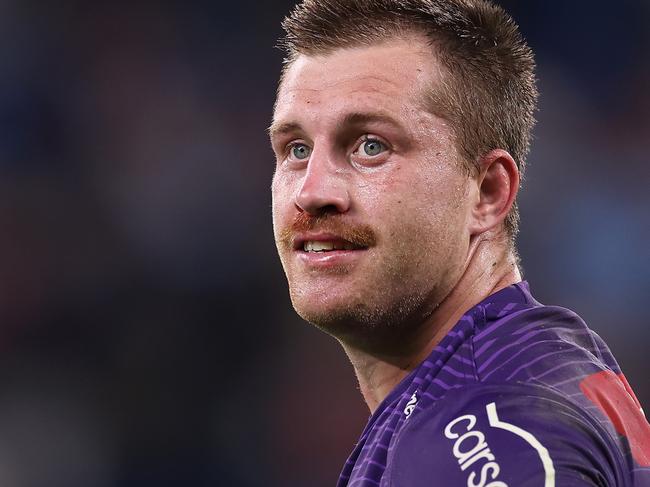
column 146, row 336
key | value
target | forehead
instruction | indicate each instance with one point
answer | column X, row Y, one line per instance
column 391, row 77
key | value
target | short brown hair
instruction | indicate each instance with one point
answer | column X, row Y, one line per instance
column 490, row 95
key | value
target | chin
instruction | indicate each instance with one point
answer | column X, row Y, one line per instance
column 323, row 311
column 331, row 312
column 362, row 321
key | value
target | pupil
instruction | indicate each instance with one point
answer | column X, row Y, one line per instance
column 300, row 151
column 372, row 148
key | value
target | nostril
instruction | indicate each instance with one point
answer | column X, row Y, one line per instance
column 314, row 202
column 330, row 209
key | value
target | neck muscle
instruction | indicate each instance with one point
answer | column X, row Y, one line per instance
column 489, row 268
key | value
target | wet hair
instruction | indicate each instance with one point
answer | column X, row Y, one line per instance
column 488, row 92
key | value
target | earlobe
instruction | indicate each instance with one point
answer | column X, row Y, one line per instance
column 498, row 184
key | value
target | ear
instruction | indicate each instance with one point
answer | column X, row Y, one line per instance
column 498, row 184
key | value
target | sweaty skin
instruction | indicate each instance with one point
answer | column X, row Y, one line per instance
column 364, row 168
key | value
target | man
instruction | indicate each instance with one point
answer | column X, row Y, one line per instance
column 400, row 130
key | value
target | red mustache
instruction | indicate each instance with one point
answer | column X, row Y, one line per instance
column 360, row 235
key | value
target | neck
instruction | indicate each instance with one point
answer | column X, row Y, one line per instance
column 490, row 267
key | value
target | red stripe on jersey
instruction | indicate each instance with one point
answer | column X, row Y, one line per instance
column 614, row 397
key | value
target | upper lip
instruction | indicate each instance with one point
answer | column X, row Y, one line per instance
column 300, row 239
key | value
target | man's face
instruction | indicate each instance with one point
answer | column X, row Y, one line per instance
column 371, row 203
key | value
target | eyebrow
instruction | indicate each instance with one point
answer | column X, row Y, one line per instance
column 350, row 119
column 360, row 118
column 283, row 128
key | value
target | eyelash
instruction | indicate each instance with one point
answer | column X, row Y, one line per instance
column 371, row 138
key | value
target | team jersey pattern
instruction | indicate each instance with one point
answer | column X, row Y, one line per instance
column 509, row 338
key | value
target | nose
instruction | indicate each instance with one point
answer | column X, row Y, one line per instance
column 323, row 187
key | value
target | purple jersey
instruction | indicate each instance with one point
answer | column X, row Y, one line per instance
column 517, row 394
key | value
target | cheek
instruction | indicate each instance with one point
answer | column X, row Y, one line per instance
column 433, row 211
column 446, row 192
column 279, row 205
column 281, row 198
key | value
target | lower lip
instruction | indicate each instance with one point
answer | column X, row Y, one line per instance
column 331, row 258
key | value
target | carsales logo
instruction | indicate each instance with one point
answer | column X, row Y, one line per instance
column 473, row 453
column 471, row 450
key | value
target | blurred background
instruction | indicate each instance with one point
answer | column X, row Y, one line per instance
column 146, row 335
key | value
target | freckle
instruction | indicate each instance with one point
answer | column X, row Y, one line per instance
column 399, row 201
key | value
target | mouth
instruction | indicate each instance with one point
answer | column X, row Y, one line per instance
column 328, row 254
column 322, row 247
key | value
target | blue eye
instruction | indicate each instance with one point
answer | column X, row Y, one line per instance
column 301, row 151
column 372, row 147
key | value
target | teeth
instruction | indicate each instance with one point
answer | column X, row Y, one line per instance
column 325, row 246
column 317, row 246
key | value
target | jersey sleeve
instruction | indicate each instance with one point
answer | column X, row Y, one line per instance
column 500, row 435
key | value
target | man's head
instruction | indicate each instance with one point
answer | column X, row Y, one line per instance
column 488, row 91
column 395, row 120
